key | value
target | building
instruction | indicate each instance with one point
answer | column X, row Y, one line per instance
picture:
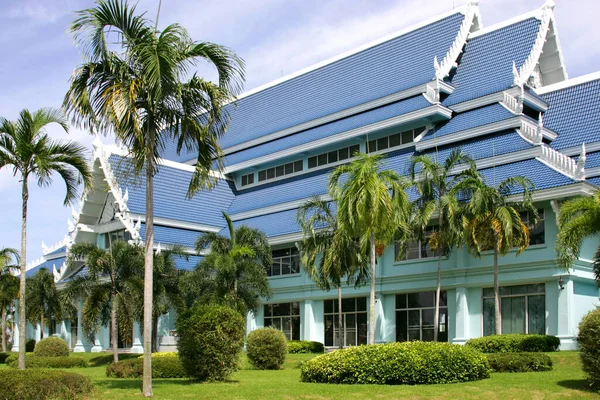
column 501, row 93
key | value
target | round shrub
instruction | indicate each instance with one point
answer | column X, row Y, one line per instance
column 42, row 384
column 589, row 346
column 515, row 343
column 305, row 347
column 162, row 367
column 210, row 339
column 519, row 362
column 266, row 348
column 30, row 346
column 31, row 361
column 408, row 363
column 51, row 347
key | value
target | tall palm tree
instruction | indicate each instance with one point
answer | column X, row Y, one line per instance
column 42, row 298
column 579, row 219
column 439, row 199
column 329, row 256
column 372, row 205
column 9, row 285
column 143, row 92
column 26, row 148
column 238, row 264
column 493, row 222
column 105, row 288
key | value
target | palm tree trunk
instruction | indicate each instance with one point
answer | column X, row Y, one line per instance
column 372, row 294
column 148, row 270
column 155, row 334
column 25, row 197
column 497, row 294
column 3, row 330
column 438, row 289
column 340, row 319
column 114, row 333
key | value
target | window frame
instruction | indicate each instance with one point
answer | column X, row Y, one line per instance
column 294, row 254
column 408, row 308
column 335, row 319
column 279, row 171
column 289, row 316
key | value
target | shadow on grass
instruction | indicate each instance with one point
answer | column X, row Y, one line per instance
column 108, row 358
column 577, row 384
column 137, row 383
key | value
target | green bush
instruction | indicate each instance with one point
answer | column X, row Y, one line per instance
column 30, row 346
column 408, row 363
column 266, row 348
column 519, row 362
column 305, row 347
column 210, row 339
column 589, row 346
column 32, row 361
column 162, row 367
column 39, row 384
column 515, row 343
column 51, row 347
column 4, row 356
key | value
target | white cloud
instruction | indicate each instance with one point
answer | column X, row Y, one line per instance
column 39, row 11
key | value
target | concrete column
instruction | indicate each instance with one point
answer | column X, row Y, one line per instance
column 137, row 347
column 461, row 315
column 386, row 320
column 566, row 321
column 250, row 322
column 15, row 332
column 79, row 345
column 312, row 321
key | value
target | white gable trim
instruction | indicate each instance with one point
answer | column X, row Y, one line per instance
column 594, row 76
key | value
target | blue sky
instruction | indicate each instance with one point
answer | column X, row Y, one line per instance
column 275, row 37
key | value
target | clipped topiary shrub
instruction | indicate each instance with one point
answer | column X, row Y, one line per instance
column 31, row 361
column 210, row 339
column 51, row 347
column 4, row 356
column 305, row 347
column 162, row 367
column 41, row 384
column 30, row 346
column 515, row 343
column 408, row 363
column 519, row 362
column 266, row 348
column 589, row 346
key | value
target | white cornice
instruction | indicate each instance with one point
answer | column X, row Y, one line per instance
column 592, row 172
column 576, row 150
column 537, row 13
column 172, row 223
column 594, row 76
column 433, row 110
column 282, row 239
column 497, row 97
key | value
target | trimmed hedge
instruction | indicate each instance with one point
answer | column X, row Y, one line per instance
column 519, row 362
column 4, row 356
column 408, row 363
column 31, row 361
column 210, row 340
column 30, row 346
column 51, row 347
column 162, row 367
column 266, row 348
column 305, row 347
column 38, row 384
column 589, row 346
column 515, row 343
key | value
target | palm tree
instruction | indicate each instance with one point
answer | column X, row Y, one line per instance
column 238, row 265
column 329, row 256
column 579, row 219
column 144, row 93
column 27, row 149
column 9, row 286
column 372, row 206
column 106, row 286
column 493, row 222
column 439, row 198
column 42, row 298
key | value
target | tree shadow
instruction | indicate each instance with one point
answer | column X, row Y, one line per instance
column 108, row 358
column 576, row 384
column 157, row 382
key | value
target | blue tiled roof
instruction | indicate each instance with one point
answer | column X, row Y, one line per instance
column 57, row 251
column 594, row 181
column 58, row 262
column 170, row 235
column 470, row 119
column 82, row 273
column 170, row 188
column 276, row 224
column 486, row 64
column 330, row 129
column 189, row 264
column 574, row 113
column 542, row 176
column 592, row 159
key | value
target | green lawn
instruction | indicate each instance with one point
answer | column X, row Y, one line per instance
column 566, row 381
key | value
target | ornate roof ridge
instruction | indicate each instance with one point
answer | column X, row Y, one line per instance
column 580, row 80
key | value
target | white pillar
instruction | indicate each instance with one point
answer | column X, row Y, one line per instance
column 137, row 347
column 566, row 318
column 15, row 332
column 79, row 345
column 380, row 323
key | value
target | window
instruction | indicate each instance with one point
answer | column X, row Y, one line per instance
column 248, row 179
column 354, row 319
column 285, row 262
column 537, row 232
column 279, row 170
column 105, row 239
column 415, row 316
column 394, row 140
column 52, row 327
column 522, row 309
column 333, row 156
column 285, row 317
column 418, row 250
column 74, row 323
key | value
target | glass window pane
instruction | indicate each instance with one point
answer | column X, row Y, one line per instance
column 295, row 265
column 443, row 298
column 328, row 306
column 419, row 130
column 322, row 159
column 312, row 162
column 414, row 251
column 332, row 156
column 295, row 308
column 414, row 334
column 279, row 171
column 350, row 328
column 401, row 301
column 401, row 326
column 414, row 319
column 244, row 180
column 427, row 317
column 295, row 328
column 298, row 166
column 407, row 137
column 361, row 321
column 371, row 146
column 488, row 292
column 348, row 305
column 289, row 168
column 329, row 330
column 276, row 267
column 361, row 304
column 285, row 266
column 271, row 173
column 395, row 140
column 489, row 321
column 262, row 175
column 382, row 143
column 354, row 149
column 250, row 179
column 422, row 299
column 537, row 314
column 513, row 314
column 427, row 335
column 343, row 153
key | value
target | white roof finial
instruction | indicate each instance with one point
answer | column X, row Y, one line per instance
column 549, row 4
column 158, row 249
column 97, row 142
column 515, row 73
